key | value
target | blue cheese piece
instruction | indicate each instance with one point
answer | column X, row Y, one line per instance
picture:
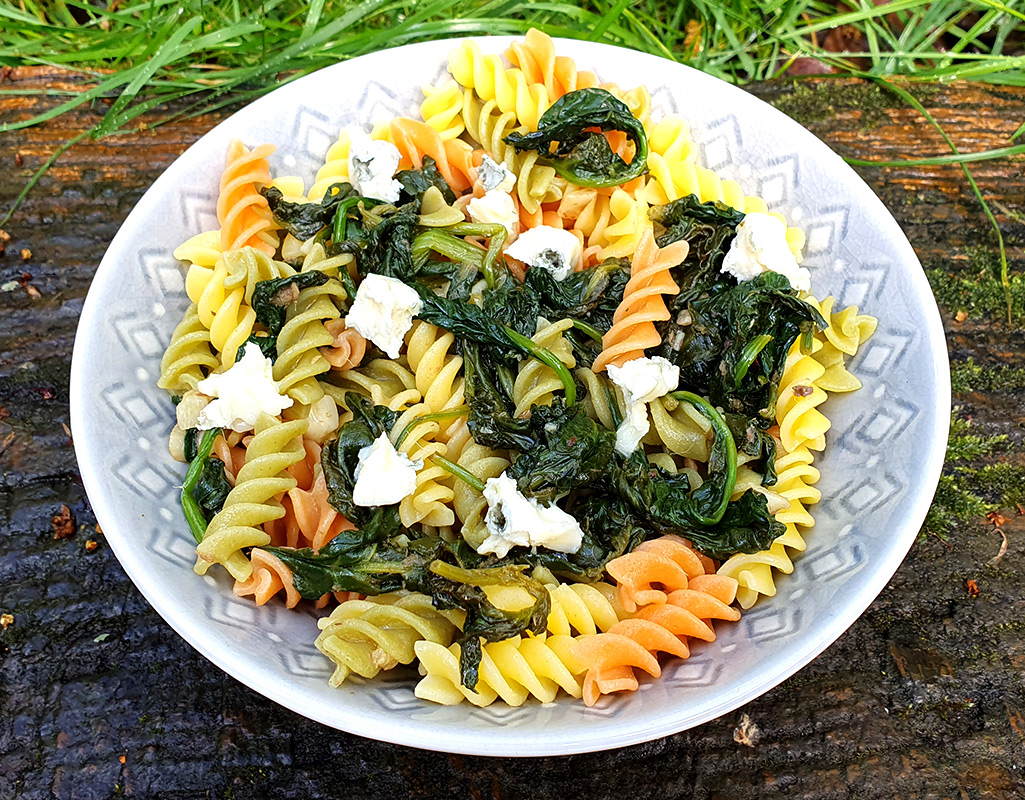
column 642, row 381
column 553, row 249
column 383, row 475
column 242, row 393
column 761, row 246
column 494, row 177
column 383, row 312
column 517, row 521
column 372, row 166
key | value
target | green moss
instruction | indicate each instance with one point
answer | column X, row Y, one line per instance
column 979, row 295
column 967, row 376
column 973, row 482
column 822, row 100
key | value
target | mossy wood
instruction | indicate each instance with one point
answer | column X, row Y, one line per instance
column 923, row 697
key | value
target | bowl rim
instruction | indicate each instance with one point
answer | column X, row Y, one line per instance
column 531, row 742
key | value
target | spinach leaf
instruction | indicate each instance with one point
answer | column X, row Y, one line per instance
column 340, row 457
column 488, row 390
column 272, row 298
column 212, row 488
column 189, row 445
column 457, row 587
column 713, row 349
column 306, row 220
column 746, row 527
column 752, row 439
column 469, row 322
column 389, row 246
column 566, row 139
column 708, row 228
column 356, row 561
column 591, row 296
column 268, row 346
column 417, row 181
column 570, row 450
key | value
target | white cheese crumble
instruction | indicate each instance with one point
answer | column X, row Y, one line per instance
column 495, row 207
column 761, row 246
column 383, row 311
column 372, row 165
column 516, row 521
column 642, row 380
column 553, row 249
column 241, row 394
column 383, row 475
column 494, row 176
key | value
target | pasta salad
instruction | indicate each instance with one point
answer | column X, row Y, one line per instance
column 517, row 392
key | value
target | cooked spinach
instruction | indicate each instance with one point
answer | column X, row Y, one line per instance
column 488, row 387
column 710, row 343
column 272, row 298
column 340, row 457
column 566, row 139
column 746, row 527
column 306, row 220
column 569, row 450
column 268, row 346
column 357, row 562
column 591, row 295
column 752, row 439
column 193, row 513
column 417, row 181
column 708, row 228
column 212, row 488
column 388, row 249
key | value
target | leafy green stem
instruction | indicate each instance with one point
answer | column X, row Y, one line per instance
column 587, row 329
column 452, row 413
column 193, row 513
column 467, row 477
column 749, row 354
column 724, row 444
column 548, row 358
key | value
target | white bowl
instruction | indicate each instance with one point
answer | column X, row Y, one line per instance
column 879, row 471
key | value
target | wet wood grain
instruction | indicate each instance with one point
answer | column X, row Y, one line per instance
column 922, row 698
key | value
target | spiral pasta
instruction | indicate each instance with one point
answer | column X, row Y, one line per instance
column 512, row 670
column 367, row 636
column 492, row 80
column 384, row 382
column 843, row 335
column 667, row 562
column 536, row 57
column 430, row 502
column 242, row 211
column 482, row 462
column 442, row 109
column 299, row 360
column 415, row 140
column 487, row 124
column 347, row 346
column 273, row 449
column 270, row 576
column 335, row 168
column 536, row 382
column 187, row 356
column 633, row 324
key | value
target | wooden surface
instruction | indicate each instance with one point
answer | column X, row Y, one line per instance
column 922, row 698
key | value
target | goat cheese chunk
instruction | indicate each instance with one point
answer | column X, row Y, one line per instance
column 642, row 380
column 372, row 166
column 383, row 475
column 517, row 521
column 494, row 177
column 383, row 311
column 242, row 393
column 761, row 246
column 553, row 249
column 495, row 207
